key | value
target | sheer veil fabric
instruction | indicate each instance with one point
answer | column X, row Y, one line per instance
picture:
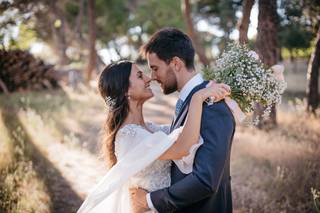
column 141, row 149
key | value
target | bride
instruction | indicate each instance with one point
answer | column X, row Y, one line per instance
column 140, row 153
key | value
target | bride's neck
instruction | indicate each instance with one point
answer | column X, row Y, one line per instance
column 135, row 115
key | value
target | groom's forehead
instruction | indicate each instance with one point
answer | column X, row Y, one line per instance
column 152, row 57
column 154, row 60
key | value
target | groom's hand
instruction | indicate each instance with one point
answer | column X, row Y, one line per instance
column 138, row 200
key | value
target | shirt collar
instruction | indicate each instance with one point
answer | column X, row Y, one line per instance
column 192, row 83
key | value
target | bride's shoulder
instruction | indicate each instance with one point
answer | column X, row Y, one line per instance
column 130, row 130
column 127, row 137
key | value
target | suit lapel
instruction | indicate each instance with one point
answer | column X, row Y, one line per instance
column 185, row 107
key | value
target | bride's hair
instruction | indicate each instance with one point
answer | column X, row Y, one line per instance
column 113, row 87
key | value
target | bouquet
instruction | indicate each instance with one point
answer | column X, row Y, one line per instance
column 250, row 80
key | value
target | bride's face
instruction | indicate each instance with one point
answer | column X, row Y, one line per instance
column 139, row 89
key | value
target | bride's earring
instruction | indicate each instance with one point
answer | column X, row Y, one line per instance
column 128, row 96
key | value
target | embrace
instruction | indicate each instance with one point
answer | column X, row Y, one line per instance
column 182, row 167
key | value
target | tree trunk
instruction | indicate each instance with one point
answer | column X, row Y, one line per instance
column 3, row 87
column 59, row 33
column 245, row 21
column 79, row 20
column 313, row 77
column 186, row 10
column 267, row 48
column 92, row 40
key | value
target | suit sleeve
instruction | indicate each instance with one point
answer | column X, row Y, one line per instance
column 217, row 128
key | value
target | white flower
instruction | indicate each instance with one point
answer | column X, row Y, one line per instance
column 253, row 54
column 110, row 102
column 249, row 79
column 278, row 71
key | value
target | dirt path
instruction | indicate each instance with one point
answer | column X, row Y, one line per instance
column 72, row 171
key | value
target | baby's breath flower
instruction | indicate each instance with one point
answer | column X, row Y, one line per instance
column 250, row 80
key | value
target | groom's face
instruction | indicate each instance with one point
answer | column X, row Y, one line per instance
column 162, row 73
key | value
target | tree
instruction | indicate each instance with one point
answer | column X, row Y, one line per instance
column 313, row 77
column 312, row 8
column 245, row 21
column 186, row 10
column 267, row 48
column 301, row 24
column 221, row 14
column 58, row 27
column 92, row 40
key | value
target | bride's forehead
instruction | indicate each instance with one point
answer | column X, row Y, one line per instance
column 134, row 68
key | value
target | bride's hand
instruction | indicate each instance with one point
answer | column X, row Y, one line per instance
column 218, row 91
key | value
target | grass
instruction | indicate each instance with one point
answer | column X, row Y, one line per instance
column 272, row 171
column 37, row 116
column 21, row 190
column 276, row 170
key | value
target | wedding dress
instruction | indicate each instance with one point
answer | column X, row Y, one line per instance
column 137, row 150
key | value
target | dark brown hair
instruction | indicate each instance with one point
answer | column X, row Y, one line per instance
column 168, row 43
column 113, row 85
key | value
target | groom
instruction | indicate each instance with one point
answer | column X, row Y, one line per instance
column 207, row 188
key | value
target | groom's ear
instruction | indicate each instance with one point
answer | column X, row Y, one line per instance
column 176, row 64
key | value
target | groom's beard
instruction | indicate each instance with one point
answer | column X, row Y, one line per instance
column 170, row 85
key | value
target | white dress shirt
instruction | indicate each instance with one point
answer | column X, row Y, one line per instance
column 185, row 91
column 188, row 87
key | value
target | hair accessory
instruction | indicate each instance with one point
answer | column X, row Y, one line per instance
column 110, row 102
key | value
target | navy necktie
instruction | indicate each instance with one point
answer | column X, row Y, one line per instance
column 178, row 106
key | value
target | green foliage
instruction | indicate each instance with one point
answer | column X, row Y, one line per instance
column 297, row 26
column 111, row 19
column 293, row 37
column 222, row 14
column 297, row 53
column 27, row 36
column 72, row 8
column 152, row 15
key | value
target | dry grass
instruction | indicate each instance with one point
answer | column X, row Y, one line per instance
column 21, row 190
column 272, row 171
column 275, row 171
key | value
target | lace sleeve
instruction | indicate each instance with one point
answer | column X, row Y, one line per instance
column 127, row 138
column 157, row 127
column 185, row 164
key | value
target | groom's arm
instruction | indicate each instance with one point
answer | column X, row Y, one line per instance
column 217, row 128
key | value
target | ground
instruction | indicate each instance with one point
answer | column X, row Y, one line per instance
column 59, row 132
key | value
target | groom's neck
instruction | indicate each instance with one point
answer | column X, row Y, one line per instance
column 186, row 76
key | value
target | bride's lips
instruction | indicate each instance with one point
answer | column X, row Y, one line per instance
column 147, row 86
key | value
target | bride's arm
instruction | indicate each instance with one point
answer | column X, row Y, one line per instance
column 191, row 130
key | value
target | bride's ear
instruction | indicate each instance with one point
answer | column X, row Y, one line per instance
column 127, row 95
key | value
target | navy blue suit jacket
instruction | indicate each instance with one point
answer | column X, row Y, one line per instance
column 207, row 188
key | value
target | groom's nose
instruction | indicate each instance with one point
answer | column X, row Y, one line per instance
column 153, row 76
column 147, row 79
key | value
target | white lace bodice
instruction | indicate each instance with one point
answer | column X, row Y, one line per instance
column 157, row 174
column 137, row 150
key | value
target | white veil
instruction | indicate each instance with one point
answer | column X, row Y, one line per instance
column 111, row 195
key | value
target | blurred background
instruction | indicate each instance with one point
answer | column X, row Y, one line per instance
column 51, row 116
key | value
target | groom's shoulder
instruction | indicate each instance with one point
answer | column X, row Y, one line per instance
column 219, row 109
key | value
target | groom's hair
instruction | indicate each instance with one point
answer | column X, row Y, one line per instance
column 168, row 43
